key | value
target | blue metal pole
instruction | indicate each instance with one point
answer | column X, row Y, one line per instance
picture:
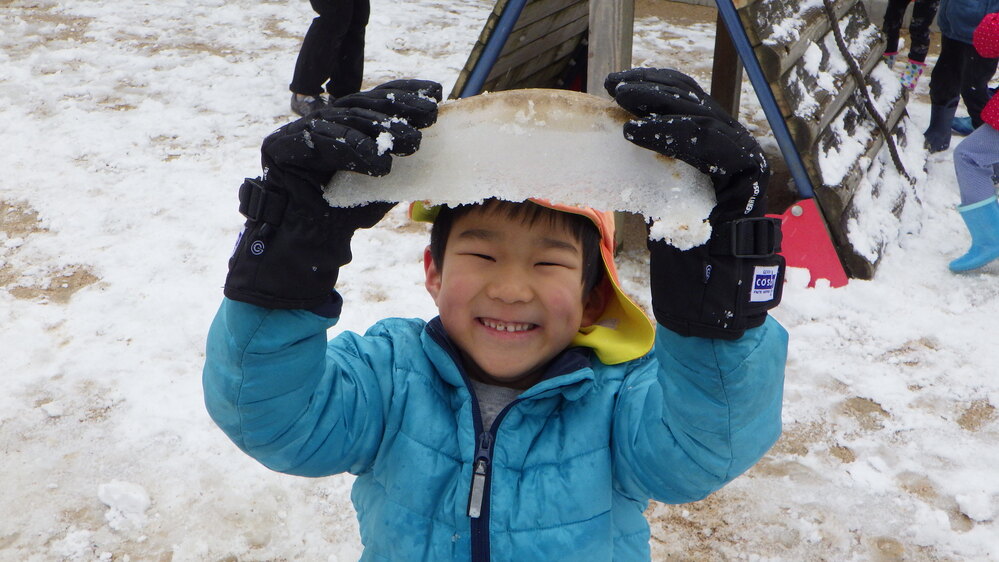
column 766, row 96
column 494, row 45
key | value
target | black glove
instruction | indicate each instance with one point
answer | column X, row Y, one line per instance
column 294, row 243
column 724, row 287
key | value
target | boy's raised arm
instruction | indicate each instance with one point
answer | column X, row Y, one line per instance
column 268, row 380
column 714, row 407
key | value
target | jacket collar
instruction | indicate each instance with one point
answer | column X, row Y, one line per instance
column 569, row 373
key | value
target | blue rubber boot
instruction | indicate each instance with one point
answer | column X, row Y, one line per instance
column 962, row 126
column 937, row 135
column 982, row 219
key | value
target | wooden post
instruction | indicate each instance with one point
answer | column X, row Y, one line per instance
column 612, row 25
column 726, row 71
column 611, row 28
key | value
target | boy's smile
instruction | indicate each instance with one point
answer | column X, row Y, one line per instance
column 510, row 295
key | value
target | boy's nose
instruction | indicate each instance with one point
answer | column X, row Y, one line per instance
column 509, row 287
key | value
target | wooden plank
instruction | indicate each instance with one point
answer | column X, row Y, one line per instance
column 801, row 76
column 835, row 199
column 516, row 77
column 779, row 50
column 537, row 10
column 525, row 53
column 781, row 22
column 726, row 71
column 857, row 265
column 545, row 77
column 611, row 28
column 536, row 30
column 806, row 123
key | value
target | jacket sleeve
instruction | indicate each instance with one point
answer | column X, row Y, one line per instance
column 290, row 399
column 703, row 415
column 986, row 36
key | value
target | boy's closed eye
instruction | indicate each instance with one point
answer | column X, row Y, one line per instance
column 557, row 263
column 559, row 254
column 486, row 257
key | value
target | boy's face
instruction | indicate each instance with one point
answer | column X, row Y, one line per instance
column 510, row 295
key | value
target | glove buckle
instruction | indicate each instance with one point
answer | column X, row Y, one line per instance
column 757, row 237
column 259, row 204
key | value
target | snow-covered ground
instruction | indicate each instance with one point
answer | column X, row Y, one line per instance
column 125, row 129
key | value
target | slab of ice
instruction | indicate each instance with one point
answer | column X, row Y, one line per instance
column 555, row 144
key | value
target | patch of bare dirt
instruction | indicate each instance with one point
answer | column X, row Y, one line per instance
column 977, row 415
column 677, row 13
column 868, row 413
column 58, row 287
column 802, row 438
column 273, row 28
column 64, row 28
column 704, row 519
column 18, row 222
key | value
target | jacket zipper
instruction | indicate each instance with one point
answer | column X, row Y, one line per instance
column 478, row 494
column 480, row 475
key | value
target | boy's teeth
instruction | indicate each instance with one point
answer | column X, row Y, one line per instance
column 507, row 327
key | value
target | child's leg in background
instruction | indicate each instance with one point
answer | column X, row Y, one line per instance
column 945, row 80
column 923, row 12
column 945, row 92
column 348, row 71
column 976, row 72
column 320, row 50
column 894, row 14
column 974, row 161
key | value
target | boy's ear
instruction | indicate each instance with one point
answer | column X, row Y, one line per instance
column 596, row 302
column 433, row 276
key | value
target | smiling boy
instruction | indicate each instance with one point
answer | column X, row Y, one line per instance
column 537, row 415
column 512, row 293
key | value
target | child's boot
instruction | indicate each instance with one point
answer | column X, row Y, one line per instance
column 889, row 59
column 982, row 219
column 937, row 135
column 304, row 105
column 911, row 73
column 962, row 126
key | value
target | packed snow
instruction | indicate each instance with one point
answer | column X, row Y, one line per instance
column 128, row 127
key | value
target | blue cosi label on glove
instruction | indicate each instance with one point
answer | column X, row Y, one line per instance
column 764, row 283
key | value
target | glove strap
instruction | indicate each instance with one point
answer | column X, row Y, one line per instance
column 758, row 237
column 259, row 204
column 745, row 252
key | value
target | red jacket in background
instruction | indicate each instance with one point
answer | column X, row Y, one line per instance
column 986, row 42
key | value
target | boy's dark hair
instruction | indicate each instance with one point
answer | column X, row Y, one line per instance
column 581, row 228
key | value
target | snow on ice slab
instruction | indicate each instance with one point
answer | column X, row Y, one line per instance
column 554, row 144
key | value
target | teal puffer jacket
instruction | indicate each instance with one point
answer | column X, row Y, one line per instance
column 565, row 472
